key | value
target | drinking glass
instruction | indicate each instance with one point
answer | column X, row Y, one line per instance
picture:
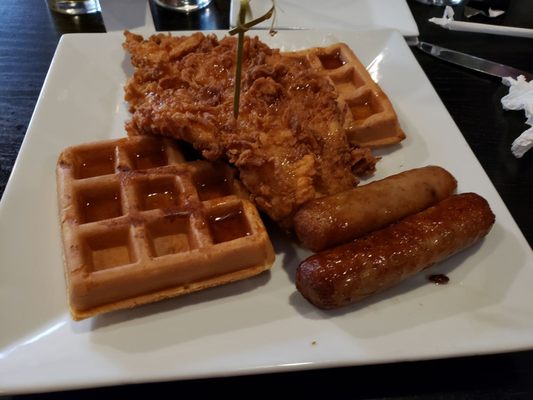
column 183, row 5
column 74, row 7
column 441, row 2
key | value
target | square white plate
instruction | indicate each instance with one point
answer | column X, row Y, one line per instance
column 333, row 14
column 261, row 324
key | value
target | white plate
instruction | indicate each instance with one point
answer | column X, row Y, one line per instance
column 333, row 14
column 261, row 324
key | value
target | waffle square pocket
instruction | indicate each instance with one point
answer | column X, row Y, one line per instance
column 141, row 223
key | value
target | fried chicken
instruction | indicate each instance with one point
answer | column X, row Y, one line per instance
column 288, row 142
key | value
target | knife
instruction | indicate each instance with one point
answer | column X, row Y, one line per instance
column 472, row 62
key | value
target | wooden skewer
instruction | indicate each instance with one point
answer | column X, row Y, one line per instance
column 240, row 30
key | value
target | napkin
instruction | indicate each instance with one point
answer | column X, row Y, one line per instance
column 520, row 97
column 333, row 14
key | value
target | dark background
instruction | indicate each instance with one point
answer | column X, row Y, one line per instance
column 29, row 34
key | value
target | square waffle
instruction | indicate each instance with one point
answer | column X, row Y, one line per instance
column 140, row 223
column 369, row 118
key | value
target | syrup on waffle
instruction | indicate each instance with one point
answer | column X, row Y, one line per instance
column 140, row 223
column 370, row 120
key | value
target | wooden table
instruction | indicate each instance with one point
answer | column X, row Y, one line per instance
column 29, row 34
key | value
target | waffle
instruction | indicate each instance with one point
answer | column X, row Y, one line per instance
column 369, row 118
column 142, row 223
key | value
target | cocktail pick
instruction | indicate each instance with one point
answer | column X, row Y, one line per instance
column 240, row 30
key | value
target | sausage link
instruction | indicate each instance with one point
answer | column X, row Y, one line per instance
column 339, row 218
column 383, row 258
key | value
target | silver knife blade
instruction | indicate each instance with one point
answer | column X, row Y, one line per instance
column 472, row 62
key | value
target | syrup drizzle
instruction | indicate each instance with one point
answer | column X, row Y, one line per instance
column 332, row 61
column 228, row 226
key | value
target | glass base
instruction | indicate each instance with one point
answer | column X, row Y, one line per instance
column 74, row 7
column 441, row 2
column 183, row 5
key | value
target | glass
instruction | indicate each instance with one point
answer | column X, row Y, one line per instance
column 441, row 2
column 74, row 7
column 183, row 5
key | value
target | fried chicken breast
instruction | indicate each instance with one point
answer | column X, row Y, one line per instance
column 288, row 142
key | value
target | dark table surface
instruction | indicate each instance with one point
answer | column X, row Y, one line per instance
column 29, row 34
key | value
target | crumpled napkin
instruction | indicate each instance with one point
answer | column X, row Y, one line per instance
column 447, row 17
column 520, row 97
column 471, row 12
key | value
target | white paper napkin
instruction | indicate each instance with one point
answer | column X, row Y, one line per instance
column 334, row 14
column 520, row 97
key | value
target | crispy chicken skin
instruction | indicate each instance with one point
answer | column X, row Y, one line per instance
column 287, row 142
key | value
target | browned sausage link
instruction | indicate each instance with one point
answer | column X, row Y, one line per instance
column 383, row 258
column 339, row 218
